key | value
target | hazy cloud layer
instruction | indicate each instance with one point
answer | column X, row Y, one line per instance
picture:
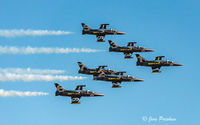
column 4, row 93
column 22, row 32
column 36, row 77
column 43, row 50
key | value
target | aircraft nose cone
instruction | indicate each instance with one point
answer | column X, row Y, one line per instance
column 177, row 64
column 97, row 94
column 149, row 50
column 121, row 33
column 138, row 80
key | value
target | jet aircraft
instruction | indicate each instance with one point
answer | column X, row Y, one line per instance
column 127, row 50
column 85, row 70
column 101, row 32
column 116, row 79
column 75, row 94
column 155, row 64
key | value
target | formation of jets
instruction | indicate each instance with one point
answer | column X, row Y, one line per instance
column 109, row 75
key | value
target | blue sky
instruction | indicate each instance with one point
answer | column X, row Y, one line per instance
column 169, row 27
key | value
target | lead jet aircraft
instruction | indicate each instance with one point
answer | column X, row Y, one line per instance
column 116, row 79
column 155, row 64
column 127, row 50
column 84, row 70
column 75, row 94
column 101, row 32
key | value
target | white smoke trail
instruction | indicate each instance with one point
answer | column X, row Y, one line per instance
column 4, row 93
column 44, row 50
column 35, row 77
column 30, row 71
column 22, row 32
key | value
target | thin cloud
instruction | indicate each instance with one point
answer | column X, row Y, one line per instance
column 35, row 77
column 4, row 93
column 30, row 71
column 43, row 50
column 22, row 32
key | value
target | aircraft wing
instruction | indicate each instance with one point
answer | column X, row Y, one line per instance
column 128, row 55
column 100, row 38
column 159, row 57
column 80, row 87
column 131, row 44
column 102, row 73
column 75, row 100
column 121, row 73
column 103, row 26
column 156, row 70
column 116, row 84
column 102, row 67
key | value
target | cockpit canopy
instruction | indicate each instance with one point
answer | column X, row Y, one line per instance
column 140, row 47
column 113, row 30
column 88, row 91
column 168, row 61
column 128, row 76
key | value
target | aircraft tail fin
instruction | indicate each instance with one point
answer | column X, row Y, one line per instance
column 59, row 87
column 140, row 58
column 112, row 44
column 85, row 27
column 82, row 66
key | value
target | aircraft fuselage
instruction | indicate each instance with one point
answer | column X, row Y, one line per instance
column 116, row 78
column 129, row 49
column 101, row 32
column 77, row 93
column 157, row 63
column 88, row 72
column 95, row 72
